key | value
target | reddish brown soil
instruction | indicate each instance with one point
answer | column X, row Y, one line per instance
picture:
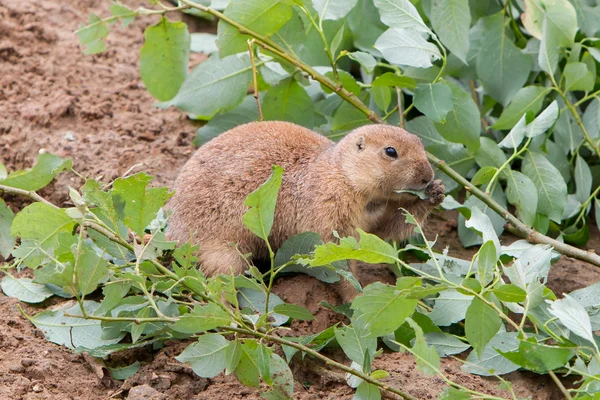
column 96, row 110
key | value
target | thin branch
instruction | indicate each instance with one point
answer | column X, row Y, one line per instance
column 255, row 76
column 520, row 228
column 328, row 361
column 27, row 193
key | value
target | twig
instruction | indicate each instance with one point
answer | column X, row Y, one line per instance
column 254, row 75
column 520, row 228
column 328, row 361
column 562, row 388
column 400, row 107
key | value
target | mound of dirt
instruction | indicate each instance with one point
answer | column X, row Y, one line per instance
column 95, row 110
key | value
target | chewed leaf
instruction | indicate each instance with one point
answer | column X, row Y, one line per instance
column 419, row 193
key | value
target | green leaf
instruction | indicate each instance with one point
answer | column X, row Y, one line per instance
column 370, row 249
column 288, row 101
column 544, row 121
column 583, row 179
column 90, row 269
column 261, row 16
column 367, row 61
column 247, row 368
column 256, row 301
column 489, row 154
column 428, row 359
column 450, row 307
column 124, row 372
column 303, row 243
column 73, row 332
column 42, row 173
column 483, row 175
column 337, row 40
column 224, row 81
column 203, row 43
column 481, row 325
column 521, row 192
column 261, row 203
column 451, row 393
column 501, row 66
column 510, row 293
column 202, row 318
column 451, row 20
column 356, row 341
column 7, row 242
column 333, row 9
column 126, row 14
column 400, row 14
column 433, row 100
column 578, row 77
column 567, row 134
column 164, row 58
column 366, row 26
column 367, row 391
column 538, row 357
column 588, row 17
column 383, row 308
column 516, row 135
column 482, row 223
column 551, row 187
column 463, row 123
column 43, row 223
column 92, row 35
column 486, row 262
column 24, row 289
column 207, row 356
column 136, row 203
column 491, row 362
column 529, row 98
column 246, row 112
column 407, row 47
column 445, row 344
column 574, row 317
column 294, row 311
column 382, row 96
column 391, row 79
column 591, row 118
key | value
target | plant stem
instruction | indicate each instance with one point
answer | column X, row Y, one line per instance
column 520, row 228
column 328, row 361
column 562, row 388
column 575, row 114
column 254, row 75
column 490, row 188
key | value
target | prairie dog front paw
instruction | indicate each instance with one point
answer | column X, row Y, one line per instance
column 435, row 192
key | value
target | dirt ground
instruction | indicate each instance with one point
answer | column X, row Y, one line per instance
column 96, row 110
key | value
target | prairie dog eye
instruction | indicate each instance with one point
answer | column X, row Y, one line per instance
column 391, row 152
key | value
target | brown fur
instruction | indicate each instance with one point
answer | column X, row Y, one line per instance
column 326, row 187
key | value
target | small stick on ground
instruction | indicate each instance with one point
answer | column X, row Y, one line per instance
column 254, row 75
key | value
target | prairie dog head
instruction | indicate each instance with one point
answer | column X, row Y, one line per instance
column 378, row 159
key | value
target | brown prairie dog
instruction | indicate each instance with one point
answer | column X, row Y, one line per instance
column 326, row 187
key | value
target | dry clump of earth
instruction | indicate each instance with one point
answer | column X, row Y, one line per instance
column 95, row 110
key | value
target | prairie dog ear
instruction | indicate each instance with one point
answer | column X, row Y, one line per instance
column 360, row 143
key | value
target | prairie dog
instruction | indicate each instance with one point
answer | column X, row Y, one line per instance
column 326, row 187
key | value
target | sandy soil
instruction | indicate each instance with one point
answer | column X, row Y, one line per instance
column 96, row 110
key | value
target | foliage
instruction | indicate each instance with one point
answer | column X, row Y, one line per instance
column 153, row 291
column 505, row 92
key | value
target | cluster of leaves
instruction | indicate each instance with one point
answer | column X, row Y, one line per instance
column 152, row 290
column 469, row 77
